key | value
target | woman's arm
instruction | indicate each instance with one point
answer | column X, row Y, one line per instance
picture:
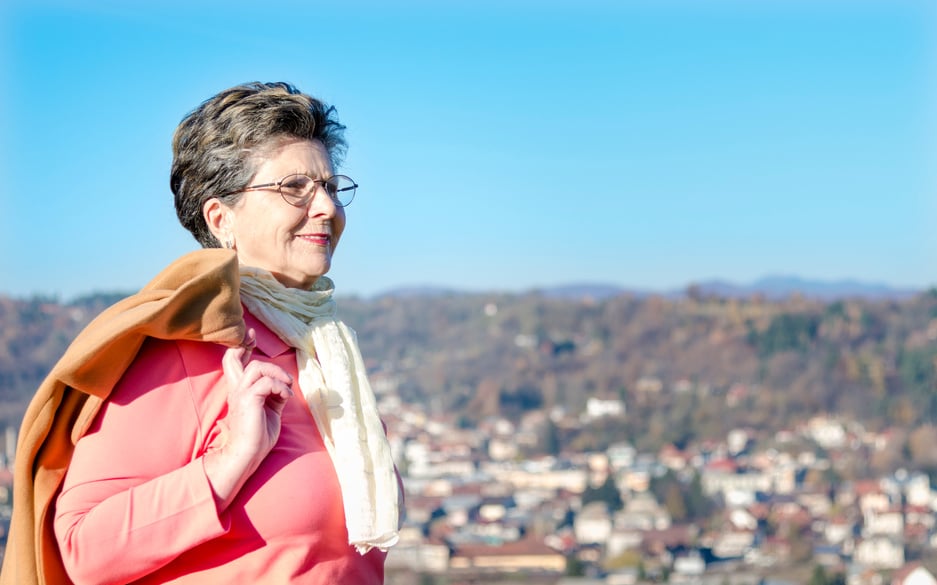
column 147, row 483
column 257, row 393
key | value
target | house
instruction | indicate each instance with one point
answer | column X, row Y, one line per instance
column 917, row 489
column 593, row 524
column 742, row 519
column 871, row 497
column 882, row 552
column 545, row 474
column 431, row 556
column 691, row 563
column 642, row 512
column 829, row 433
column 913, row 574
column 838, row 529
column 502, row 449
column 733, row 543
column 621, row 540
column 722, row 477
column 600, row 408
column 919, row 516
column 494, row 509
column 738, row 440
column 888, row 522
column 522, row 555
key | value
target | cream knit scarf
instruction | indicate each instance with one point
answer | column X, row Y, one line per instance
column 334, row 382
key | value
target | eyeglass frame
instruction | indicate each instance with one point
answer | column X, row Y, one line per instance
column 319, row 183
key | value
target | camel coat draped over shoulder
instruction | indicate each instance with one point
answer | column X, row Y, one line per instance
column 195, row 298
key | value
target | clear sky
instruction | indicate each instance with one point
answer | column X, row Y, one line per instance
column 500, row 145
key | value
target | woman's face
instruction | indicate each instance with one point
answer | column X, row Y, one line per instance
column 294, row 243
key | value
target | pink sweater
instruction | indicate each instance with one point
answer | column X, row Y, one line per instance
column 137, row 507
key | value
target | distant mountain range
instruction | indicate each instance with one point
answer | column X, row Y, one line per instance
column 776, row 287
column 770, row 287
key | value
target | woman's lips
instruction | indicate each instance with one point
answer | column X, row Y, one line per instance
column 318, row 238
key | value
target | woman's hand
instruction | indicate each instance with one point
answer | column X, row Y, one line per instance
column 257, row 393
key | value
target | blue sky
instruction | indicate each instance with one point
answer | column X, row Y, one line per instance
column 498, row 145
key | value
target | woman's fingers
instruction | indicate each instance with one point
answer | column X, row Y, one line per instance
column 255, row 387
column 236, row 358
column 257, row 371
column 277, row 399
column 232, row 365
column 249, row 343
column 242, row 373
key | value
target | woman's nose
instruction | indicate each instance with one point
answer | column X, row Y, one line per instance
column 321, row 203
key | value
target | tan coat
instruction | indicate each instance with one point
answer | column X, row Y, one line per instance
column 195, row 298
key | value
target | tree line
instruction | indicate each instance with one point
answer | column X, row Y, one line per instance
column 686, row 369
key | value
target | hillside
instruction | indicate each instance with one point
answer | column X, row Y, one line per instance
column 687, row 368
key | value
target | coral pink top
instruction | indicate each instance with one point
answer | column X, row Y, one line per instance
column 136, row 506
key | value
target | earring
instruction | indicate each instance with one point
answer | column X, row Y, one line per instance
column 228, row 243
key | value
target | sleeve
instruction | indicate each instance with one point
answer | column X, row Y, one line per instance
column 136, row 494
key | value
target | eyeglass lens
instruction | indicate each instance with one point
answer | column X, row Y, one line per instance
column 299, row 189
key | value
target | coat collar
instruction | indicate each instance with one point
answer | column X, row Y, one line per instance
column 267, row 341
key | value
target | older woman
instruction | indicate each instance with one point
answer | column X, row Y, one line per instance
column 218, row 427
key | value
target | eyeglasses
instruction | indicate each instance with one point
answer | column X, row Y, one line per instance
column 299, row 189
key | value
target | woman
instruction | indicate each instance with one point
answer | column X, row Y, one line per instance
column 218, row 427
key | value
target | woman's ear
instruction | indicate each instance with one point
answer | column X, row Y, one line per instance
column 218, row 219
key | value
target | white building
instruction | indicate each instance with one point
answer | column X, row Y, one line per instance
column 914, row 575
column 524, row 477
column 733, row 543
column 600, row 408
column 881, row 552
column 885, row 522
column 642, row 512
column 419, row 557
column 593, row 524
column 621, row 540
column 917, row 490
column 827, row 432
column 502, row 449
column 689, row 564
column 721, row 482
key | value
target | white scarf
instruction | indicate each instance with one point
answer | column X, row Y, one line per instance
column 333, row 380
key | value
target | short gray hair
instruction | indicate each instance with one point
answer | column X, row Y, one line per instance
column 216, row 146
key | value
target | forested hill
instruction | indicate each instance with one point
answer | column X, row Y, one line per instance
column 687, row 368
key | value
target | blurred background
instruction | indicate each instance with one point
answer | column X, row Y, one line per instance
column 646, row 290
